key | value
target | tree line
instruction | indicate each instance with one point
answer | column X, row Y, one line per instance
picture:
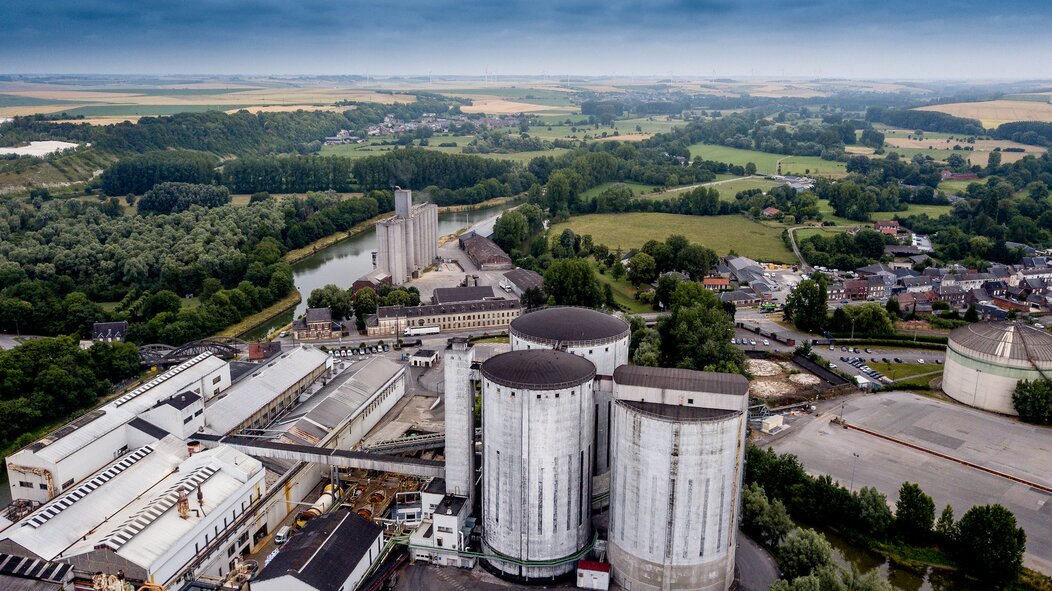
column 139, row 173
column 926, row 120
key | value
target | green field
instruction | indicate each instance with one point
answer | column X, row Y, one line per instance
column 637, row 189
column 826, row 210
column 955, row 187
column 803, row 233
column 903, row 373
column 727, row 190
column 720, row 233
column 143, row 110
column 624, row 293
column 374, row 148
column 765, row 162
column 933, row 211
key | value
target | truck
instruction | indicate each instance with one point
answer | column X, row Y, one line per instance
column 413, row 331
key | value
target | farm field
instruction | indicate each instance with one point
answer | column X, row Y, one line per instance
column 955, row 187
column 993, row 113
column 720, row 233
column 942, row 148
column 374, row 148
column 803, row 233
column 637, row 189
column 765, row 162
column 726, row 185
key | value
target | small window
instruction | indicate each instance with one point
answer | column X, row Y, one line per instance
column 690, row 401
column 556, row 394
column 25, row 484
column 217, row 379
column 538, row 397
column 42, row 486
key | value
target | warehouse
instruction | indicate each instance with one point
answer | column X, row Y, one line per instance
column 66, row 456
column 393, row 320
column 128, row 516
column 485, row 253
column 985, row 361
column 260, row 397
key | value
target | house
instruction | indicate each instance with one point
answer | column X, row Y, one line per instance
column 716, row 283
column 333, row 552
column 874, row 269
column 109, row 332
column 265, row 350
column 740, row 298
column 771, row 212
column 317, row 324
column 951, row 294
column 835, row 291
column 887, row 227
column 375, row 279
column 947, row 175
column 898, row 250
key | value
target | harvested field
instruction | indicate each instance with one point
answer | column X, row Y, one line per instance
column 498, row 106
column 994, row 113
column 100, row 120
column 289, row 108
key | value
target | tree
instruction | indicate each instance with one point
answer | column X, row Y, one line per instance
column 162, row 301
column 892, row 306
column 989, row 544
column 695, row 260
column 572, row 282
column 914, row 514
column 803, row 552
column 993, row 161
column 533, row 298
column 641, row 269
column 805, row 306
column 750, row 168
column 767, row 521
column 608, row 297
column 697, row 334
column 617, row 270
column 365, row 303
column 1033, row 401
column 874, row 516
column 333, row 297
column 972, row 315
column 946, row 528
column 510, row 229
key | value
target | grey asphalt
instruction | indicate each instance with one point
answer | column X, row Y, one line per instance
column 992, row 441
column 756, row 566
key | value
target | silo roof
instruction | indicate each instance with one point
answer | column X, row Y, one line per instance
column 1006, row 340
column 679, row 413
column 669, row 378
column 569, row 325
column 538, row 369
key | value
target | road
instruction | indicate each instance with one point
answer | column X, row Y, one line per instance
column 995, row 442
column 755, row 565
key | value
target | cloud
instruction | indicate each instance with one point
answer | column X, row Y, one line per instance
column 893, row 38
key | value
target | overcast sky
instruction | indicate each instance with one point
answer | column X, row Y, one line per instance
column 847, row 38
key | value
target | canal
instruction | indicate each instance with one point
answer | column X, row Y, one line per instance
column 349, row 259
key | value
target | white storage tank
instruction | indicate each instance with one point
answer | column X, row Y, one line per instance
column 985, row 361
column 601, row 338
column 537, row 416
column 675, row 484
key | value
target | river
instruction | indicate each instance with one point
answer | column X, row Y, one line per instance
column 349, row 259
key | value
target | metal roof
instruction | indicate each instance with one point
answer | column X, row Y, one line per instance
column 325, row 553
column 242, row 400
column 682, row 379
column 569, row 326
column 538, row 369
column 1005, row 340
column 678, row 413
column 448, row 295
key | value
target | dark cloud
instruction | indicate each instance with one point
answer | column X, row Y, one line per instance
column 893, row 38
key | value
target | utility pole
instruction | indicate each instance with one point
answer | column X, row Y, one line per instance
column 853, row 466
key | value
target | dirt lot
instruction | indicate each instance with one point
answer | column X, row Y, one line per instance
column 777, row 379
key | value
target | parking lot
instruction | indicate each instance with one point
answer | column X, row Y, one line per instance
column 992, row 441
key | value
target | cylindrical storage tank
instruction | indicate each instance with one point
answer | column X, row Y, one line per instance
column 675, row 487
column 601, row 338
column 985, row 361
column 537, row 420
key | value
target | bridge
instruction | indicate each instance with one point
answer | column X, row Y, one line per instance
column 330, row 457
column 225, row 348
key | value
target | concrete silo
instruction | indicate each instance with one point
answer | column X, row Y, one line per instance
column 601, row 338
column 675, row 484
column 537, row 419
column 985, row 361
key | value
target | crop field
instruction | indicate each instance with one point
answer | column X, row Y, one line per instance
column 933, row 211
column 720, row 233
column 993, row 113
column 726, row 185
column 766, row 162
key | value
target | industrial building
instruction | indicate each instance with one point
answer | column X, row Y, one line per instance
column 678, row 446
column 148, row 513
column 602, row 339
column 393, row 320
column 985, row 361
column 66, row 456
column 484, row 253
column 407, row 242
column 537, row 424
column 333, row 552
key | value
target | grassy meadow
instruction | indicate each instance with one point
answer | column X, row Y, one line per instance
column 765, row 162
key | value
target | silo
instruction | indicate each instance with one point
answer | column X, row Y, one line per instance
column 537, row 420
column 985, row 361
column 601, row 338
column 678, row 448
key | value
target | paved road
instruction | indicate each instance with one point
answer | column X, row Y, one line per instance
column 756, row 566
column 992, row 441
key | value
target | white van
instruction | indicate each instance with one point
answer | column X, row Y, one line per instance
column 283, row 535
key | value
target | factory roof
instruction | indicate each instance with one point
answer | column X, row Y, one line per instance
column 1005, row 340
column 524, row 278
column 180, row 401
column 451, row 505
column 538, row 369
column 453, row 308
column 19, row 573
column 446, row 295
column 569, row 325
column 340, row 401
column 326, row 552
column 242, row 400
column 81, row 432
column 675, row 412
column 682, row 379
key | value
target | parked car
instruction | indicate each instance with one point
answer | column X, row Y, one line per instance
column 897, row 360
column 752, row 342
column 832, row 366
column 766, row 343
column 283, row 334
column 843, row 358
column 832, row 348
column 939, row 361
column 868, row 350
column 884, row 359
column 920, row 361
